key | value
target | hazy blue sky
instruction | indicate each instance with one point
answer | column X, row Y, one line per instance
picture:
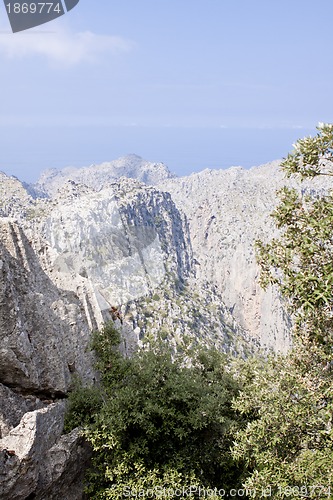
column 192, row 83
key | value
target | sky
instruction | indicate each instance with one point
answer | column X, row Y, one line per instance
column 192, row 83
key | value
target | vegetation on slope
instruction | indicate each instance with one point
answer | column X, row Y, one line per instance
column 289, row 445
column 160, row 422
column 164, row 422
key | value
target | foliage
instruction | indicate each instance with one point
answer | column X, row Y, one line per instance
column 163, row 423
column 312, row 156
column 83, row 405
column 300, row 261
column 288, row 443
column 132, row 478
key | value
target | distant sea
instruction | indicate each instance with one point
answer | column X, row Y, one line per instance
column 184, row 150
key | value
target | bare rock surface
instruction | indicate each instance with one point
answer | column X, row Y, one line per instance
column 12, row 408
column 36, row 459
column 227, row 210
column 64, row 466
column 22, row 451
column 44, row 332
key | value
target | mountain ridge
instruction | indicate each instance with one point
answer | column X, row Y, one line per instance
column 98, row 176
column 174, row 259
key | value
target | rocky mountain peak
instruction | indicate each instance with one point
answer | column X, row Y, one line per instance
column 100, row 176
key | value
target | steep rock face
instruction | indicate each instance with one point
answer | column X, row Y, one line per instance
column 44, row 338
column 118, row 243
column 100, row 176
column 108, row 247
column 35, row 459
column 65, row 262
column 44, row 332
column 130, row 244
column 227, row 211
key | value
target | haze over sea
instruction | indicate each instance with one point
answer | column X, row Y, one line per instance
column 193, row 84
column 183, row 150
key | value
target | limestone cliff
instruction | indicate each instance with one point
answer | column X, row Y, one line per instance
column 67, row 263
column 44, row 336
column 227, row 210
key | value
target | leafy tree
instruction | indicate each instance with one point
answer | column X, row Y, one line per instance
column 300, row 262
column 84, row 402
column 312, row 156
column 163, row 423
column 288, row 444
column 288, row 440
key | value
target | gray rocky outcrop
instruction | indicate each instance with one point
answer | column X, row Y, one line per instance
column 23, row 449
column 44, row 338
column 43, row 329
column 36, row 459
column 12, row 408
column 227, row 210
column 64, row 467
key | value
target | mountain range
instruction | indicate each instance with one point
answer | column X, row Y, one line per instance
column 126, row 241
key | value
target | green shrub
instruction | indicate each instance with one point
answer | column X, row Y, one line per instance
column 83, row 405
column 161, row 424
